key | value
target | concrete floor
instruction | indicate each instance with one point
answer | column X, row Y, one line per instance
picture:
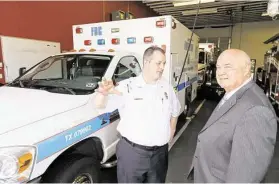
column 180, row 156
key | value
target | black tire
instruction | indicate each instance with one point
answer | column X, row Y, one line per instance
column 74, row 169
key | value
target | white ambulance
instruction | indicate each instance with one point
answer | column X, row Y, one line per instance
column 50, row 130
column 206, row 57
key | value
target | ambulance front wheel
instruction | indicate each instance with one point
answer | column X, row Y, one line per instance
column 78, row 169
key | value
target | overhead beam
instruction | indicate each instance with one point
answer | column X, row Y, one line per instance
column 235, row 6
column 211, row 5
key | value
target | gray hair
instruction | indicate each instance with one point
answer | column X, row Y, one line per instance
column 150, row 50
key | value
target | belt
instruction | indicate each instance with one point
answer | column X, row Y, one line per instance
column 147, row 148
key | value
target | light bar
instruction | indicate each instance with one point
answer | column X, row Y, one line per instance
column 79, row 30
column 201, row 11
column 160, row 23
column 115, row 30
column 131, row 40
column 148, row 39
column 101, row 42
column 115, row 41
column 191, row 2
column 87, row 42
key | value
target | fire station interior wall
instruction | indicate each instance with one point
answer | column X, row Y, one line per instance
column 52, row 21
column 248, row 37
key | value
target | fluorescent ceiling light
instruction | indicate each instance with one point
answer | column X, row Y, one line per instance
column 191, row 2
column 201, row 11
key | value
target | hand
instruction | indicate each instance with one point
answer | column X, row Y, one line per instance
column 105, row 87
column 172, row 136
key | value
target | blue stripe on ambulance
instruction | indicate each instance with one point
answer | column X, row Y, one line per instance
column 186, row 84
column 66, row 138
column 61, row 141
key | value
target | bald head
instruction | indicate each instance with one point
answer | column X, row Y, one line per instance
column 238, row 57
column 233, row 69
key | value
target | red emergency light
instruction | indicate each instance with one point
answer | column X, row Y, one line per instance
column 160, row 23
column 87, row 42
column 209, row 46
column 79, row 30
column 115, row 41
column 148, row 39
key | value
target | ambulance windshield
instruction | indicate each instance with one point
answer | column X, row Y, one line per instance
column 69, row 74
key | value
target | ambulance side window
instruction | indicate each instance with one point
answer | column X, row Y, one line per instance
column 127, row 67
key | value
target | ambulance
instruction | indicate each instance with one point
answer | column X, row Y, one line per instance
column 206, row 56
column 51, row 130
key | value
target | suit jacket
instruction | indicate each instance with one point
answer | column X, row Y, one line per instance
column 237, row 142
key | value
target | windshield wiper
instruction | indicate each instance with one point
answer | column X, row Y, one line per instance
column 68, row 89
column 20, row 83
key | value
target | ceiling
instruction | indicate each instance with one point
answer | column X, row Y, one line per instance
column 223, row 13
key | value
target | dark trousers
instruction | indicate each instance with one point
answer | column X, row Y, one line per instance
column 139, row 165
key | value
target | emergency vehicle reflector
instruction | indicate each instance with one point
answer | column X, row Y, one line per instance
column 131, row 40
column 79, row 30
column 92, row 50
column 24, row 162
column 115, row 30
column 87, row 42
column 101, row 41
column 73, row 50
column 110, row 50
column 160, row 23
column 81, row 50
column 115, row 41
column 148, row 39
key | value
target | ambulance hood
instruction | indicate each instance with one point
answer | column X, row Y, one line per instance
column 21, row 106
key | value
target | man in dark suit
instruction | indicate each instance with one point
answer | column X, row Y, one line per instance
column 237, row 142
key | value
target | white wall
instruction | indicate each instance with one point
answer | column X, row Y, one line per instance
column 250, row 39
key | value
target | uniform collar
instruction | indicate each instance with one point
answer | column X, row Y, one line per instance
column 141, row 82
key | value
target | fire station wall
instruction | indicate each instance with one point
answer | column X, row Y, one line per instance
column 53, row 21
column 248, row 37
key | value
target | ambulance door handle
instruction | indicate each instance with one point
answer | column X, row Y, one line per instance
column 175, row 77
column 103, row 121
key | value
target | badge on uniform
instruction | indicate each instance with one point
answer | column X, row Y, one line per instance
column 166, row 95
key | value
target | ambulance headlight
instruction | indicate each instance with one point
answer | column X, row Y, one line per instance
column 16, row 164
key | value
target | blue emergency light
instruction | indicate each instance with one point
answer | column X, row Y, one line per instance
column 101, row 41
column 131, row 40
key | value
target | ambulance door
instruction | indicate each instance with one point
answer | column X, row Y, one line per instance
column 128, row 66
column 175, row 73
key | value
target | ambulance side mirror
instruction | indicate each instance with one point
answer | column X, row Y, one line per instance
column 114, row 81
column 22, row 70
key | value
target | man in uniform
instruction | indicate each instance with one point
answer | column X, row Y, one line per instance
column 149, row 110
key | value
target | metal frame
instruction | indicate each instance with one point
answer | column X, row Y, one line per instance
column 229, row 12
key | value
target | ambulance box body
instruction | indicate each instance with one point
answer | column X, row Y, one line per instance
column 136, row 35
